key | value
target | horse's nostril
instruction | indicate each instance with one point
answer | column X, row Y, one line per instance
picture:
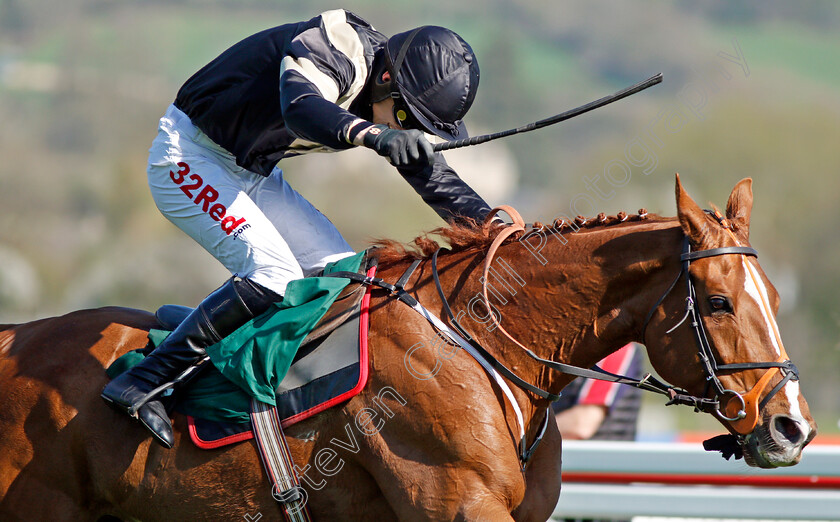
column 789, row 429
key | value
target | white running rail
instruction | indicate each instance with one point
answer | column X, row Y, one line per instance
column 626, row 479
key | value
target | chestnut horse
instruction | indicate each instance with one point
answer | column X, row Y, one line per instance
column 432, row 437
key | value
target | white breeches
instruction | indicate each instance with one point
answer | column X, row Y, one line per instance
column 258, row 227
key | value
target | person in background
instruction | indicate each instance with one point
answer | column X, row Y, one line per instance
column 602, row 410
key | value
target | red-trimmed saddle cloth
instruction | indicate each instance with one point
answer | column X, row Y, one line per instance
column 330, row 367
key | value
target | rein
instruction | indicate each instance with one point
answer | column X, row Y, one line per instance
column 493, row 366
column 742, row 415
column 742, row 420
column 490, row 364
column 648, row 382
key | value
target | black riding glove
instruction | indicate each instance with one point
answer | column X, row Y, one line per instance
column 401, row 147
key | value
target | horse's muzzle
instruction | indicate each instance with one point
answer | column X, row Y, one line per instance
column 777, row 442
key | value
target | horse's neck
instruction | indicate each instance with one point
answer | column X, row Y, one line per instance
column 581, row 300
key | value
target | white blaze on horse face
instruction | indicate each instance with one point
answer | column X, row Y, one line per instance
column 792, row 394
column 756, row 289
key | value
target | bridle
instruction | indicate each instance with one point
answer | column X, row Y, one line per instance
column 740, row 410
column 742, row 414
column 742, row 420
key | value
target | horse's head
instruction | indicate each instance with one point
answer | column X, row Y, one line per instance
column 730, row 321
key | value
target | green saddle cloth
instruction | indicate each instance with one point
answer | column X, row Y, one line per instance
column 253, row 360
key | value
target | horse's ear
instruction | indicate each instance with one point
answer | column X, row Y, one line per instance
column 694, row 222
column 739, row 207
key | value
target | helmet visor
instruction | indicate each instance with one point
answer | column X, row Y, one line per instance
column 428, row 122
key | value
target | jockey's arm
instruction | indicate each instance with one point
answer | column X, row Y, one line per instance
column 447, row 194
column 312, row 80
column 312, row 117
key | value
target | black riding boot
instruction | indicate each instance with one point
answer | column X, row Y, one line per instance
column 182, row 353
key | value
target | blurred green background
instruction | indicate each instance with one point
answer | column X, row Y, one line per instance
column 751, row 89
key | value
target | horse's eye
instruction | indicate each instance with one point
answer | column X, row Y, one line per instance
column 719, row 304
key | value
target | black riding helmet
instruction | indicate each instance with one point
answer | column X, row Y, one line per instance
column 434, row 79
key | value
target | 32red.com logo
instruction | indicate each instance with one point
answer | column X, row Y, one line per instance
column 205, row 196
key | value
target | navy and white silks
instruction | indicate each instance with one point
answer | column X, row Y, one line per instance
column 285, row 91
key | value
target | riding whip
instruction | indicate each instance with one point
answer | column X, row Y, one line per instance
column 475, row 140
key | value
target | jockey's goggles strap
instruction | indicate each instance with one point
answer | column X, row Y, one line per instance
column 396, row 65
column 401, row 112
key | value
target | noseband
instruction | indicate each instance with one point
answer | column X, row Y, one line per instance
column 740, row 410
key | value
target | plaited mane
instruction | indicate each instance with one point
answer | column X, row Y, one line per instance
column 476, row 236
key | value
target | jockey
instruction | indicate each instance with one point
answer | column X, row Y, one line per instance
column 328, row 84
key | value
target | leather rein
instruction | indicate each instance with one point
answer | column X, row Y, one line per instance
column 741, row 410
column 742, row 420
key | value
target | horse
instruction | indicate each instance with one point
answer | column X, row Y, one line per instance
column 432, row 436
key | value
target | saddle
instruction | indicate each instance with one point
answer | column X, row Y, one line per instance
column 170, row 316
column 330, row 367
